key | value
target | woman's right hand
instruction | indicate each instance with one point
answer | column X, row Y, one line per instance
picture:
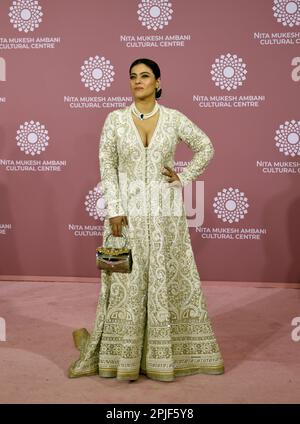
column 116, row 224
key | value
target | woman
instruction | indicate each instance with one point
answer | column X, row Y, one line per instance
column 153, row 320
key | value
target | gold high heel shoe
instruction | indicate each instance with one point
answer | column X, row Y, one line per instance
column 80, row 337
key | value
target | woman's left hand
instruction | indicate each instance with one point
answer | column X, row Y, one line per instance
column 173, row 179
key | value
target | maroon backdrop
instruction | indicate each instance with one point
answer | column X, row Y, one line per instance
column 232, row 66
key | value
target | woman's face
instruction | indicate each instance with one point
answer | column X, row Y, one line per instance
column 143, row 83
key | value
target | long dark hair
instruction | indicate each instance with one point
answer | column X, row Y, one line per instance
column 153, row 66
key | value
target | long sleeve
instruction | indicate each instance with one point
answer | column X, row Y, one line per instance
column 108, row 157
column 201, row 145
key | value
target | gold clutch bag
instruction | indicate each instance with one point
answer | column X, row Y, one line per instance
column 114, row 259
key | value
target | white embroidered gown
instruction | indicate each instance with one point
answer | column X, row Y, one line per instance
column 154, row 320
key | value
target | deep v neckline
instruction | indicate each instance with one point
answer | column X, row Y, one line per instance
column 138, row 135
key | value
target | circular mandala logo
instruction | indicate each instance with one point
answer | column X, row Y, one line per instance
column 288, row 138
column 155, row 14
column 97, row 73
column 32, row 138
column 95, row 203
column 228, row 72
column 287, row 12
column 230, row 205
column 25, row 15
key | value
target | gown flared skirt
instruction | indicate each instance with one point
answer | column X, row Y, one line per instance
column 154, row 320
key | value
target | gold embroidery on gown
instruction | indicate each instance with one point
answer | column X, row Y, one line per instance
column 153, row 321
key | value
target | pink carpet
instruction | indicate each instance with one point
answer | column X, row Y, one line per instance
column 252, row 325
